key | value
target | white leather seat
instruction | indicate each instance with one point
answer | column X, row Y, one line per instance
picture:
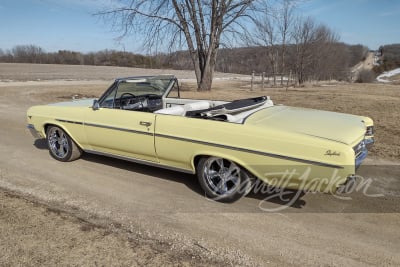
column 180, row 110
column 197, row 106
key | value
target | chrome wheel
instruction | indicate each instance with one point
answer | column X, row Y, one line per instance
column 223, row 180
column 58, row 142
column 61, row 146
column 222, row 176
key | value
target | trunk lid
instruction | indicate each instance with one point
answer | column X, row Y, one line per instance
column 339, row 127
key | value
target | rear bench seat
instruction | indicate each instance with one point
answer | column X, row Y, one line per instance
column 180, row 110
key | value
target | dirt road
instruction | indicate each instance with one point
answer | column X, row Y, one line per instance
column 317, row 229
column 366, row 64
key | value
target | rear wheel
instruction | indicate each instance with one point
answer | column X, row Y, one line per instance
column 223, row 180
column 61, row 146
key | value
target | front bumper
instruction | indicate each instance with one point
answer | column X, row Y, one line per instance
column 35, row 133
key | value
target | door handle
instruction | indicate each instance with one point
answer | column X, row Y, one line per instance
column 145, row 123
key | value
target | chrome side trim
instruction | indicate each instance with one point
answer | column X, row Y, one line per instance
column 140, row 161
column 67, row 121
column 317, row 163
column 251, row 151
column 118, row 129
column 105, row 127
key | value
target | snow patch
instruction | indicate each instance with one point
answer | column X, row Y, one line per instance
column 387, row 74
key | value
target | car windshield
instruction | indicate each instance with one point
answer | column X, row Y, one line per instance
column 135, row 87
column 143, row 86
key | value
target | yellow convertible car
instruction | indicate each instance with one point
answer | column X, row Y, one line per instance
column 229, row 145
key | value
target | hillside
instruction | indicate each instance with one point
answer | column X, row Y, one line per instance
column 389, row 58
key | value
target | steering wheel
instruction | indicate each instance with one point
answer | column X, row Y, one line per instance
column 122, row 96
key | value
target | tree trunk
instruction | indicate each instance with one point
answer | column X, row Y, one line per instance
column 205, row 82
column 207, row 73
column 207, row 67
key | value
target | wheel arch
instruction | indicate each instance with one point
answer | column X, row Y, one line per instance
column 48, row 124
column 234, row 159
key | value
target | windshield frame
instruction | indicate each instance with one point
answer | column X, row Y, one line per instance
column 112, row 91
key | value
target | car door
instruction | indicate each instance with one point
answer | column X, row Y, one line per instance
column 125, row 133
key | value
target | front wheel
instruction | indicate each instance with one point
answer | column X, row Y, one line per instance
column 223, row 180
column 61, row 146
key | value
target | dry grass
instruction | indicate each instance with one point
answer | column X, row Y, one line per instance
column 33, row 234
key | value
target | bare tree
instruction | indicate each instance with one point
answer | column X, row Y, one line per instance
column 198, row 24
column 285, row 21
column 27, row 53
column 327, row 54
column 265, row 35
column 272, row 32
column 303, row 36
column 316, row 53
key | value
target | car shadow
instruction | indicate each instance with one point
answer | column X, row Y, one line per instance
column 41, row 144
column 290, row 198
column 280, row 196
column 189, row 180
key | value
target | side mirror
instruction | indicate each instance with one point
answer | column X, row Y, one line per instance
column 95, row 105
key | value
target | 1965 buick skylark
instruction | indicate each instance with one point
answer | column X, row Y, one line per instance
column 229, row 145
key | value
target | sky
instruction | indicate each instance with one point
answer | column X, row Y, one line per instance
column 71, row 24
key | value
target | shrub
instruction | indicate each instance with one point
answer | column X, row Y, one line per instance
column 365, row 76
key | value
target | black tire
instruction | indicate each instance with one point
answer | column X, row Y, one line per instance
column 61, row 146
column 223, row 180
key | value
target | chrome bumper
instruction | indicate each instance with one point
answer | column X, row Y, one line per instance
column 369, row 142
column 36, row 134
column 361, row 150
column 360, row 158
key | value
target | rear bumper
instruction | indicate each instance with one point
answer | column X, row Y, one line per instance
column 369, row 142
column 360, row 158
column 361, row 150
column 35, row 133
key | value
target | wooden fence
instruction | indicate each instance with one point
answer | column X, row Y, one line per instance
column 263, row 80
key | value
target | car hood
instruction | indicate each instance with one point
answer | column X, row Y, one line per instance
column 88, row 102
column 339, row 127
